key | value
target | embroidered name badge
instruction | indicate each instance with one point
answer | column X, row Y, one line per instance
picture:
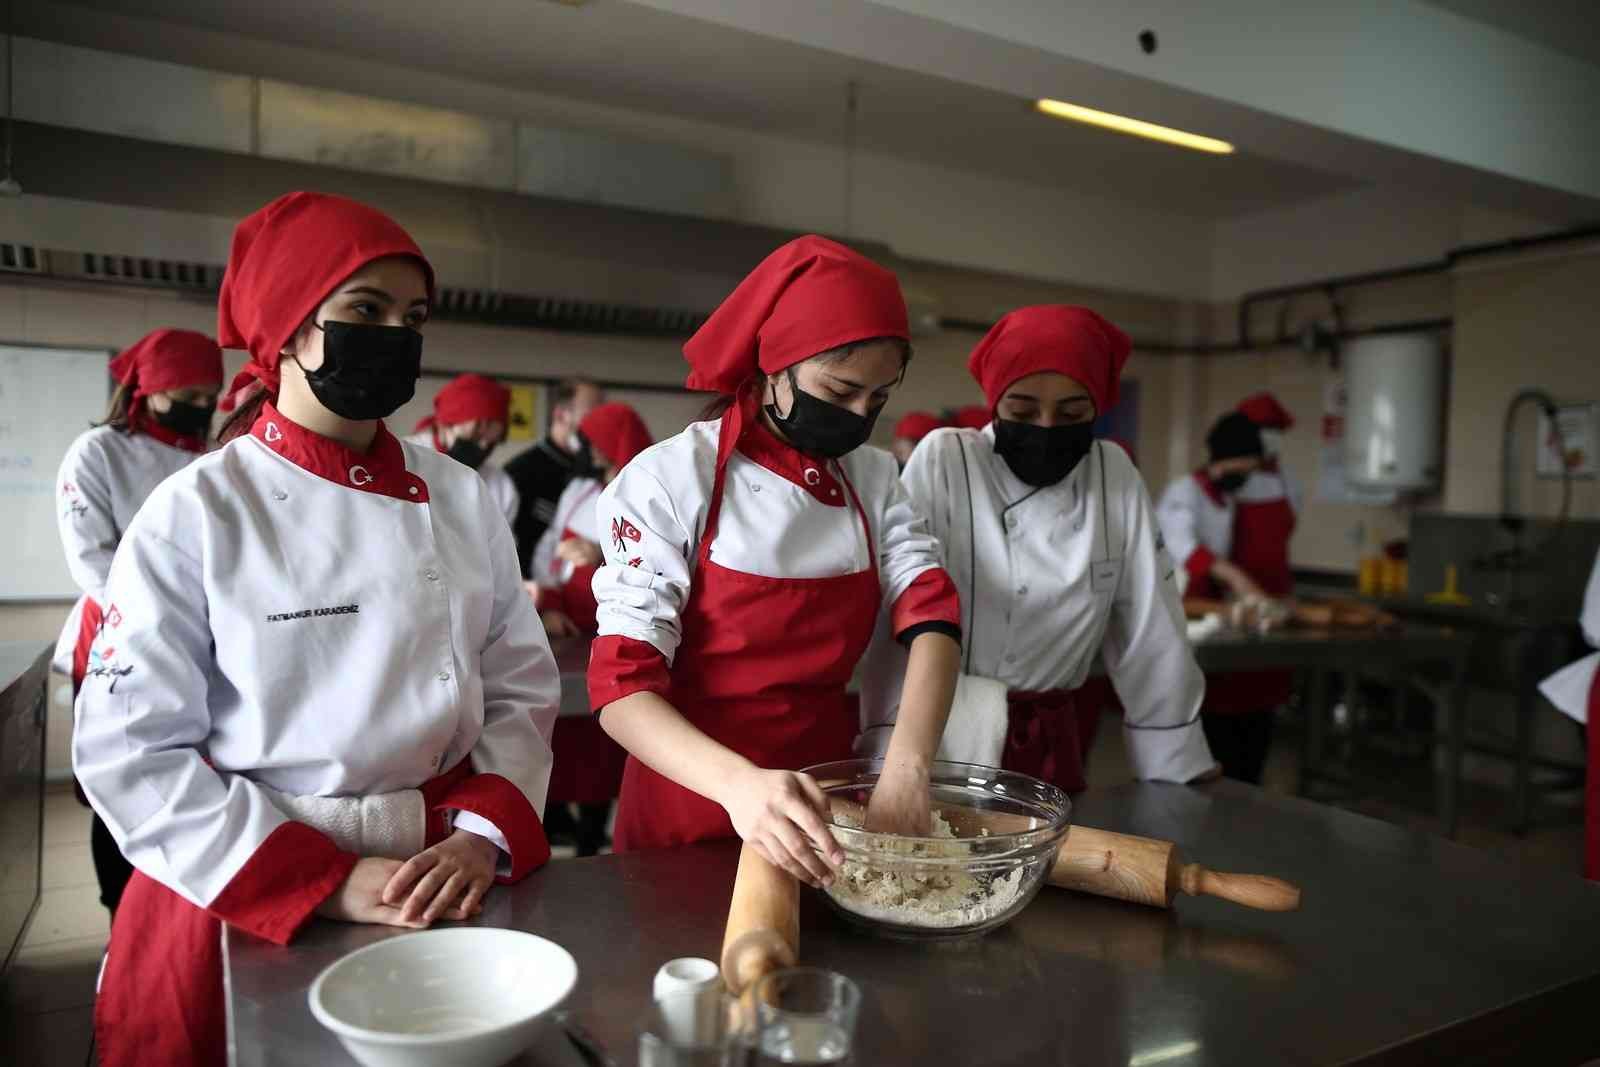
column 1104, row 575
column 315, row 613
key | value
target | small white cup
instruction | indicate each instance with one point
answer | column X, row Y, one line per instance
column 688, row 990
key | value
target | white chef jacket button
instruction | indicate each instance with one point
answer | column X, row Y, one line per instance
column 412, row 490
column 432, row 576
column 279, row 494
column 1012, row 522
column 1011, row 659
column 444, row 676
column 755, row 488
column 1022, row 590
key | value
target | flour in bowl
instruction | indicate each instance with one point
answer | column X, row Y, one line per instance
column 932, row 899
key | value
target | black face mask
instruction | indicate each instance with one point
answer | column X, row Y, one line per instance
column 1232, row 482
column 469, row 452
column 583, row 462
column 1042, row 455
column 185, row 419
column 819, row 428
column 367, row 371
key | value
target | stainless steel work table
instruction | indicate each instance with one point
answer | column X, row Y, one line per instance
column 1409, row 950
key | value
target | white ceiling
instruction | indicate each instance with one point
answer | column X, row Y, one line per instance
column 618, row 53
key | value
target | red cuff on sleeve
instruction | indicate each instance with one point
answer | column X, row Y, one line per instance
column 1199, row 563
column 492, row 797
column 931, row 597
column 292, row 872
column 620, row 666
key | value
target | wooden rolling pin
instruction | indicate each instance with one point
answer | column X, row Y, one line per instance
column 763, row 933
column 1143, row 870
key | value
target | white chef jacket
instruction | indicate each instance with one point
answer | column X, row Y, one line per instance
column 1051, row 578
column 325, row 622
column 104, row 477
column 1568, row 688
column 783, row 515
column 1196, row 520
column 502, row 490
column 575, row 511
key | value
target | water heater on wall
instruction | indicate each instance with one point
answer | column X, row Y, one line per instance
column 1394, row 387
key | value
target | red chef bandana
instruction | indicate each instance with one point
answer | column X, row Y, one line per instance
column 285, row 260
column 811, row 295
column 469, row 398
column 169, row 359
column 1052, row 337
column 1264, row 410
column 972, row 418
column 617, row 432
column 917, row 425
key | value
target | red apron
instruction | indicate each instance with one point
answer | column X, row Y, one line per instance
column 161, row 997
column 1050, row 733
column 762, row 668
column 1261, row 532
column 1591, row 788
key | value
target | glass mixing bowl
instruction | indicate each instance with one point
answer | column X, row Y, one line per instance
column 997, row 835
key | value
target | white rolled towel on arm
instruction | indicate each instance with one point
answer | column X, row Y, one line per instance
column 388, row 825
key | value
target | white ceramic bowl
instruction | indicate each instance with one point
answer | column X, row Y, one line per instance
column 464, row 996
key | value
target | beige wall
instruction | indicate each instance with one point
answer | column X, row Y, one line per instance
column 1519, row 324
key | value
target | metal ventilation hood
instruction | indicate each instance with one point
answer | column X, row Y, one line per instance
column 163, row 216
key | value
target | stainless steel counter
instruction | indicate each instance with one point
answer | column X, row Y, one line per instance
column 1409, row 950
column 25, row 668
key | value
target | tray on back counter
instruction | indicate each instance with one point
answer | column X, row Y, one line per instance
column 1408, row 950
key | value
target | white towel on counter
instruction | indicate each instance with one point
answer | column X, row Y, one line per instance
column 388, row 825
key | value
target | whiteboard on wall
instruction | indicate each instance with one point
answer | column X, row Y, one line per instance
column 48, row 396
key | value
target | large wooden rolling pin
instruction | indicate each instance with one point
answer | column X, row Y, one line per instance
column 1143, row 870
column 1149, row 871
column 763, row 933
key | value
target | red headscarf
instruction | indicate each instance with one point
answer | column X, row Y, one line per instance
column 1052, row 337
column 1264, row 410
column 811, row 295
column 469, row 398
column 168, row 359
column 972, row 418
column 617, row 433
column 917, row 425
column 285, row 260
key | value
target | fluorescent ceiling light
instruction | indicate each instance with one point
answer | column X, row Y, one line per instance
column 1122, row 124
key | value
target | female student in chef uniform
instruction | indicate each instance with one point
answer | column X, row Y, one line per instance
column 746, row 562
column 589, row 772
column 570, row 550
column 469, row 420
column 160, row 414
column 1575, row 691
column 317, row 619
column 1225, row 546
column 1054, row 549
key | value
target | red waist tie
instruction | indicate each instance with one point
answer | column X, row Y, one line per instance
column 1042, row 738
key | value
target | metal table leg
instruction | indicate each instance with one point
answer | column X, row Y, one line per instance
column 1523, row 796
column 1450, row 810
column 1316, row 717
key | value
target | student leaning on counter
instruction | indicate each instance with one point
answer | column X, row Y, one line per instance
column 324, row 688
column 1055, row 551
column 160, row 416
column 1575, row 690
column 747, row 561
